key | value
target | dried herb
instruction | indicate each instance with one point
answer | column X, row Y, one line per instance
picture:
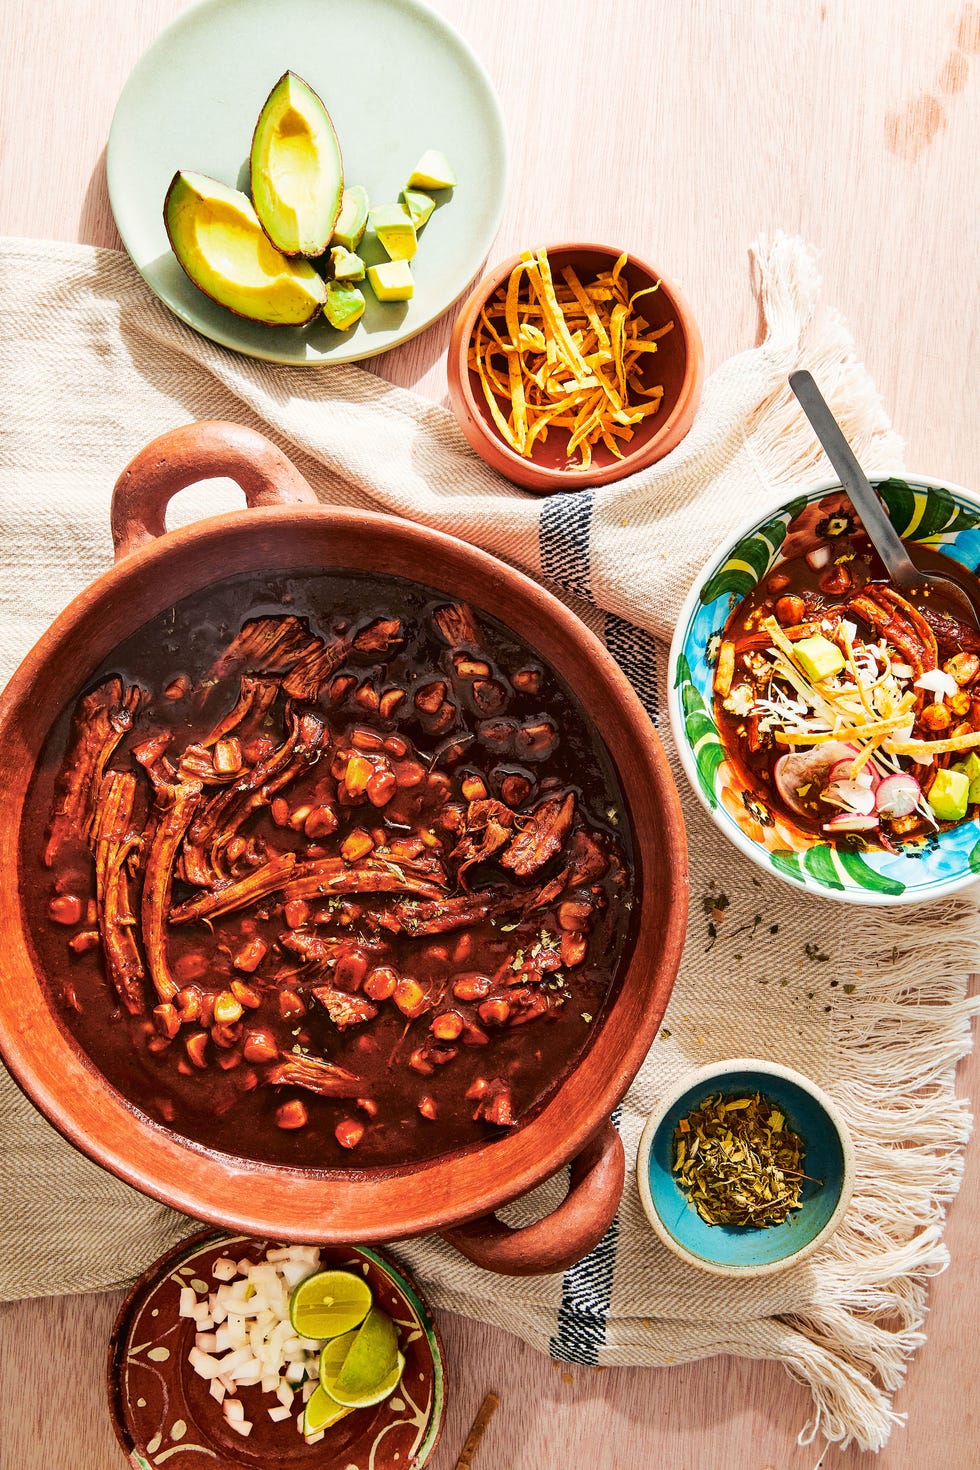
column 738, row 1161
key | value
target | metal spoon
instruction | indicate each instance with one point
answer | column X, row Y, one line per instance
column 901, row 569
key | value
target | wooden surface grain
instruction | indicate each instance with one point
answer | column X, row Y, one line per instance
column 682, row 130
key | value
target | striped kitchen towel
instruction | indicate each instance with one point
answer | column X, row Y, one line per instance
column 92, row 367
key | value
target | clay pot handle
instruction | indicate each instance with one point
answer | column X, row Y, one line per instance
column 209, row 450
column 564, row 1236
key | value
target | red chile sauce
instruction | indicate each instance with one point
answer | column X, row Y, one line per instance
column 500, row 717
column 853, row 566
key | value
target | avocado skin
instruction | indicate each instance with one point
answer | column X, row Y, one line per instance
column 311, row 242
column 299, row 311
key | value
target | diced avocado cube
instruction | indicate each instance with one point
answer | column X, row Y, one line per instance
column 419, row 206
column 818, row 657
column 345, row 264
column 344, row 305
column 391, row 281
column 393, row 226
column 949, row 795
column 433, row 171
column 352, row 219
column 970, row 765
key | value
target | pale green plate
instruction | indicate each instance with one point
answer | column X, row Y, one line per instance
column 396, row 80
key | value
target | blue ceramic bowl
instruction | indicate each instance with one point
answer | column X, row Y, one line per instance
column 930, row 512
column 742, row 1250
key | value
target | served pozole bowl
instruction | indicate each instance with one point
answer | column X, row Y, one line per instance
column 864, row 794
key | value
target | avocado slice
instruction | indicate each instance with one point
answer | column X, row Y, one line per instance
column 419, row 206
column 345, row 265
column 344, row 304
column 393, row 226
column 392, row 280
column 217, row 238
column 433, row 171
column 352, row 219
column 297, row 176
column 949, row 795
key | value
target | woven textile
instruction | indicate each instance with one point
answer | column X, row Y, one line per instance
column 92, row 367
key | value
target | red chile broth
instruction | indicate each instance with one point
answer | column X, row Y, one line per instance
column 797, row 592
column 523, row 983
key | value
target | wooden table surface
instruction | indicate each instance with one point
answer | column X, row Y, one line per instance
column 682, row 130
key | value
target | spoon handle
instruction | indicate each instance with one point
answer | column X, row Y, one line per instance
column 885, row 539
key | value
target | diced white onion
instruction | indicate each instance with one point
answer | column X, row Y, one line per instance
column 244, row 1336
column 938, row 682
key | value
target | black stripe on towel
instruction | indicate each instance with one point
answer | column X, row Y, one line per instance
column 564, row 533
column 635, row 650
column 586, row 1293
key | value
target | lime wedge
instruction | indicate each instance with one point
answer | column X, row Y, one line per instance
column 329, row 1304
column 374, row 1395
column 333, row 1355
column 322, row 1411
column 368, row 1370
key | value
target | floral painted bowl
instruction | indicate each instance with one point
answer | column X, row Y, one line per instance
column 163, row 1413
column 923, row 510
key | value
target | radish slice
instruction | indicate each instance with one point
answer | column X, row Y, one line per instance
column 851, row 822
column 851, row 795
column 898, row 796
column 818, row 558
column 808, row 768
column 867, row 776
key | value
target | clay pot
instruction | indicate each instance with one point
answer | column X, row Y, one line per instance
column 677, row 366
column 286, row 527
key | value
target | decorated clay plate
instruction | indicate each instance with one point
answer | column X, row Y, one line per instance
column 396, row 79
column 929, row 512
column 164, row 1415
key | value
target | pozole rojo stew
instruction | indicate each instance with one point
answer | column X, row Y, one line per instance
column 849, row 705
column 328, row 871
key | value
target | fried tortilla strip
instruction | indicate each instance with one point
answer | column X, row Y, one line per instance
column 113, row 840
column 255, row 695
column 324, row 1078
column 230, row 896
column 177, row 804
column 549, row 825
column 266, row 646
column 101, row 720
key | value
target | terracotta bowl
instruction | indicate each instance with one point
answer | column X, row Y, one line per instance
column 286, row 528
column 678, row 365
